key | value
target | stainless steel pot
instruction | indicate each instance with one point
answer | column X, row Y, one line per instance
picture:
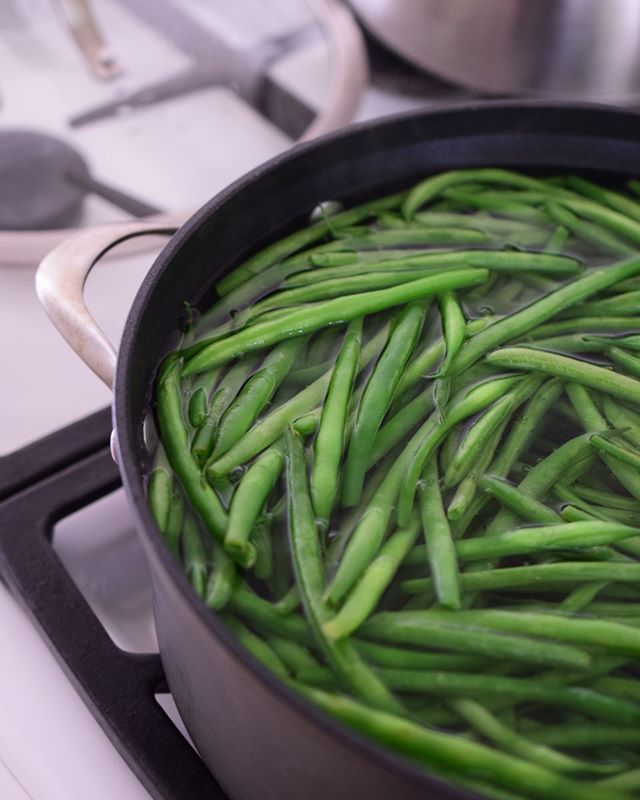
column 570, row 49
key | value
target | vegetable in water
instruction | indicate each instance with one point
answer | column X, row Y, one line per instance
column 442, row 408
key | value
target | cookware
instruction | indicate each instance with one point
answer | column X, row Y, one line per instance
column 580, row 49
column 258, row 737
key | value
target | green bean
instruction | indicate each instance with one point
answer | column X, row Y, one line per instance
column 247, row 503
column 453, row 756
column 593, row 421
column 568, row 368
column 282, row 248
column 605, row 197
column 426, row 358
column 603, row 445
column 605, row 498
column 365, row 595
column 619, row 223
column 386, row 261
column 204, row 438
column 625, row 781
column 175, row 522
column 160, row 494
column 255, row 394
column 195, row 561
column 372, row 524
column 335, row 287
column 627, row 421
column 261, row 541
column 628, row 342
column 309, row 571
column 289, row 601
column 496, row 204
column 416, row 628
column 258, row 648
column 223, row 580
column 432, row 187
column 319, row 677
column 465, row 404
column 580, row 597
column 579, row 325
column 307, row 424
column 587, row 231
column 464, row 495
column 250, row 606
column 625, row 360
column 489, row 726
column 610, row 609
column 480, row 434
column 386, row 656
column 564, row 572
column 293, row 655
column 569, row 343
column 328, row 312
column 617, row 686
column 407, row 417
column 377, row 397
column 175, row 440
column 613, row 636
column 418, row 236
column 329, row 443
column 609, row 514
column 440, row 548
column 518, row 501
column 585, row 701
column 546, row 537
column 588, row 735
column 367, row 536
column 335, row 259
column 621, row 305
column 557, row 240
column 273, row 425
column 197, row 410
column 541, row 310
column 453, row 326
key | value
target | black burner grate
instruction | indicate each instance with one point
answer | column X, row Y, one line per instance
column 39, row 485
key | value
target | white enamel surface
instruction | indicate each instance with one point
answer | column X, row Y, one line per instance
column 49, row 740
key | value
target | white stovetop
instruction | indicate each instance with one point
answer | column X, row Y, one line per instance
column 51, row 748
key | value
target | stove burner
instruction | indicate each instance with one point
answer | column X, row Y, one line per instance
column 43, row 182
column 46, row 481
column 34, row 190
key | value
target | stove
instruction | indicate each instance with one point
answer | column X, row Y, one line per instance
column 131, row 97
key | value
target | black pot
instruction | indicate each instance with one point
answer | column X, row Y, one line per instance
column 262, row 741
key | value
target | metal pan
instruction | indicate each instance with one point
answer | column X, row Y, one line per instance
column 261, row 740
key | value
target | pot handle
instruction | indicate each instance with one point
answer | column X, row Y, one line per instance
column 60, row 283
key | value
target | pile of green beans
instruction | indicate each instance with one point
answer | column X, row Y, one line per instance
column 400, row 457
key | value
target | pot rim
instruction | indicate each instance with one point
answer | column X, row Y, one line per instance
column 132, row 474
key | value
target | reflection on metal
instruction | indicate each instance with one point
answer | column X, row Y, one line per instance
column 566, row 49
column 80, row 19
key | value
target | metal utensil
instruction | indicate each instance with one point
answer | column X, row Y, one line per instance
column 567, row 49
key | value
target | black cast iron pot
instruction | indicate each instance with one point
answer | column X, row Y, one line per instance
column 262, row 741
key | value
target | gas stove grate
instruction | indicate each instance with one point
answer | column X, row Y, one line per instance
column 39, row 485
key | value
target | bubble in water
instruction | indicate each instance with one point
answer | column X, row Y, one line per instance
column 325, row 209
column 237, row 473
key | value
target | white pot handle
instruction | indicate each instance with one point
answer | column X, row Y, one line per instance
column 60, row 283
